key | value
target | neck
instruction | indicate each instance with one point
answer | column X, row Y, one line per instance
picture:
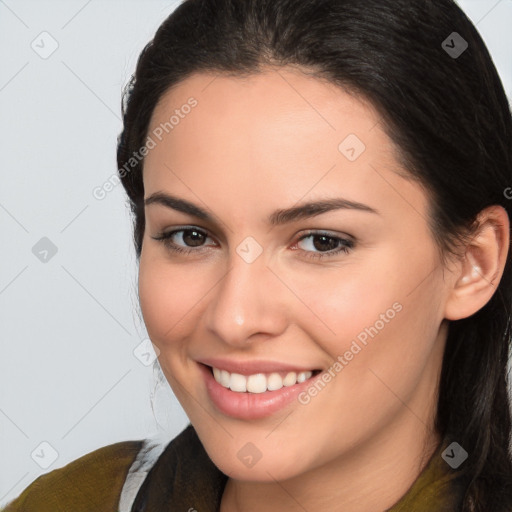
column 369, row 479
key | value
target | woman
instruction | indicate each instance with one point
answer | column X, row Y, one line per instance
column 321, row 200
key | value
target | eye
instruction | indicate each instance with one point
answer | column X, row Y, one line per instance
column 183, row 240
column 326, row 245
column 315, row 245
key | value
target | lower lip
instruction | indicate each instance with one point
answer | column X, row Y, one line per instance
column 250, row 406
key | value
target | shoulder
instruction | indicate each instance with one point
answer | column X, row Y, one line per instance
column 91, row 482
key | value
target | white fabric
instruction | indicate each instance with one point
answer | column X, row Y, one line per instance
column 151, row 449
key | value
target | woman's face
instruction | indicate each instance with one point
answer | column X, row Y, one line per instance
column 348, row 293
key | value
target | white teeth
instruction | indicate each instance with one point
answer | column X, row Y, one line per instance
column 274, row 382
column 238, row 383
column 259, row 382
column 256, row 383
column 302, row 376
column 225, row 378
column 290, row 379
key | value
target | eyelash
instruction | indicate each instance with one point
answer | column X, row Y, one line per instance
column 345, row 245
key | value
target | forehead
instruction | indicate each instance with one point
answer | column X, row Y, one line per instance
column 275, row 106
column 275, row 132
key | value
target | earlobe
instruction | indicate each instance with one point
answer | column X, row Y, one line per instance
column 480, row 271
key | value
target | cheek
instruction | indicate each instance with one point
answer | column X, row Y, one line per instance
column 168, row 299
column 382, row 310
column 345, row 301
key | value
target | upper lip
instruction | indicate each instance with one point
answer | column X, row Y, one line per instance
column 253, row 367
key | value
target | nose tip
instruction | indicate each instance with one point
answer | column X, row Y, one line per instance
column 246, row 302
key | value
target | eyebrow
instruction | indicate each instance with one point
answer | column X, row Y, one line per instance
column 278, row 217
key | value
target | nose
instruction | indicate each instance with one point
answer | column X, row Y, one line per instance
column 248, row 301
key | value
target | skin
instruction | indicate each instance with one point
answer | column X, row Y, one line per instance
column 255, row 145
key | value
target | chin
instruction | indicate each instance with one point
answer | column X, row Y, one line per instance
column 243, row 460
column 265, row 470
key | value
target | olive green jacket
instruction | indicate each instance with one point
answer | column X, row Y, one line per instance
column 141, row 476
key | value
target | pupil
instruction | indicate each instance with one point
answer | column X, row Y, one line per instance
column 323, row 245
column 195, row 236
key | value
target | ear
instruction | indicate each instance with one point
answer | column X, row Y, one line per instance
column 479, row 272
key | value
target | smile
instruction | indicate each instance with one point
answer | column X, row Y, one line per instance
column 259, row 382
column 251, row 390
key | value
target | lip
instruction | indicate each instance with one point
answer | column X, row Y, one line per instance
column 251, row 406
column 252, row 367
